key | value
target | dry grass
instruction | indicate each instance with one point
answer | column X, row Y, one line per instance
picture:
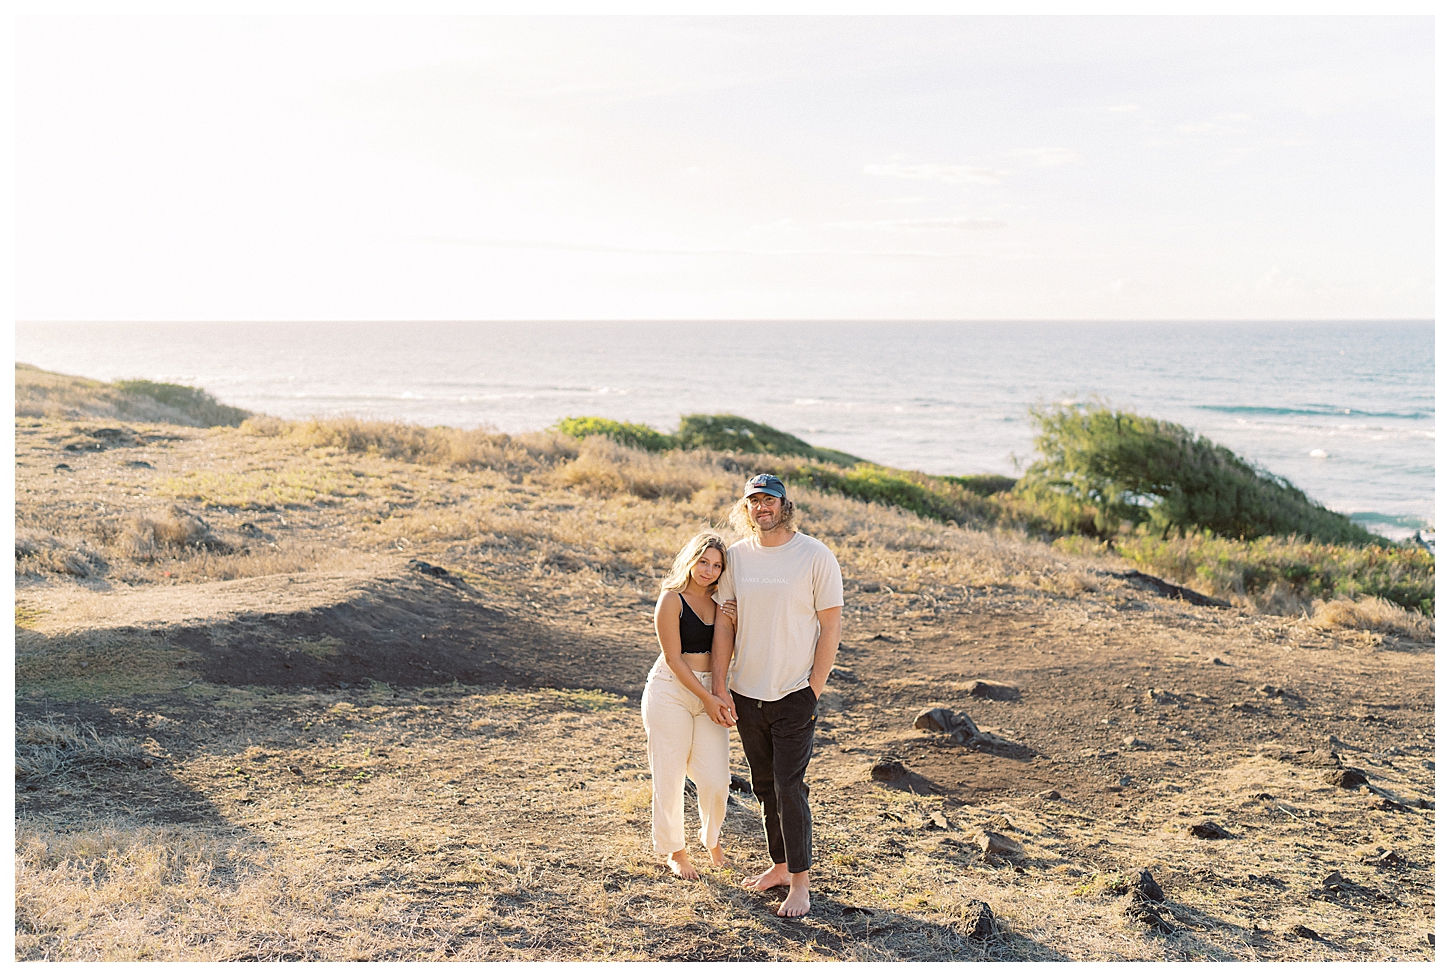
column 84, row 666
column 451, row 447
column 166, row 532
column 40, row 393
column 40, row 552
column 1373, row 614
column 45, row 748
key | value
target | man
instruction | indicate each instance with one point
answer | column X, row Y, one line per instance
column 788, row 594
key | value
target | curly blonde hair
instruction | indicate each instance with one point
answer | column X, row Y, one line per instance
column 688, row 556
column 744, row 523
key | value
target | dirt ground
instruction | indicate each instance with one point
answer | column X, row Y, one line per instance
column 432, row 751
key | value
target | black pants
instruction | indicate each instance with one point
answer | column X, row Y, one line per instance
column 777, row 738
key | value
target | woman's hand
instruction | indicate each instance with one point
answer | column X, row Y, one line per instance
column 721, row 713
column 728, row 609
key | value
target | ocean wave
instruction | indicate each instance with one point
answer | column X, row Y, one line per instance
column 1312, row 410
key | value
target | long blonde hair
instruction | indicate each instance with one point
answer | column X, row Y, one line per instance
column 686, row 559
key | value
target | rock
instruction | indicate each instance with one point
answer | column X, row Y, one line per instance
column 982, row 740
column 999, row 691
column 993, row 843
column 428, row 568
column 870, row 588
column 937, row 822
column 1382, row 858
column 1050, row 795
column 935, row 720
column 1140, row 885
column 1133, row 743
column 1208, row 830
column 740, row 785
column 887, row 769
column 1144, row 886
column 1425, row 805
column 978, row 921
column 1304, row 932
column 1386, row 804
column 62, row 467
column 1348, row 778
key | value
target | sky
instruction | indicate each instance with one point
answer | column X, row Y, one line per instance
column 404, row 168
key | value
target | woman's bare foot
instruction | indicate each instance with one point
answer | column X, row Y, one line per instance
column 778, row 875
column 798, row 902
column 718, row 858
column 679, row 863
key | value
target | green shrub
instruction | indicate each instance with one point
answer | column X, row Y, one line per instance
column 727, row 432
column 193, row 401
column 634, row 435
column 983, row 485
column 1404, row 575
column 1143, row 471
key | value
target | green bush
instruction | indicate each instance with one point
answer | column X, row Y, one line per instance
column 193, row 401
column 634, row 435
column 983, row 485
column 727, row 432
column 1404, row 575
column 1149, row 472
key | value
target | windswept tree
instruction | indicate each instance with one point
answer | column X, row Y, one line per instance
column 1144, row 471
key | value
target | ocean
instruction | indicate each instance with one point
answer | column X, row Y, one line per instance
column 1344, row 410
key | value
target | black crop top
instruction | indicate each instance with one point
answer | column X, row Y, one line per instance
column 695, row 634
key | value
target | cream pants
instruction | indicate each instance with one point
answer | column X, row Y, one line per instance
column 683, row 739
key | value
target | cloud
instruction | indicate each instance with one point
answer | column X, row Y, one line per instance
column 1220, row 124
column 510, row 244
column 1122, row 108
column 936, row 171
column 927, row 223
column 1047, row 155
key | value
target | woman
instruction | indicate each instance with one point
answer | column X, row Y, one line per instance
column 681, row 715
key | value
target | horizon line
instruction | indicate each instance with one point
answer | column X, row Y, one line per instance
column 756, row 319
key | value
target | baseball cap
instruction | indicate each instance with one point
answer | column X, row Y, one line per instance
column 768, row 484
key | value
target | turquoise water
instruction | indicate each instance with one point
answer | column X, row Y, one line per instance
column 1346, row 411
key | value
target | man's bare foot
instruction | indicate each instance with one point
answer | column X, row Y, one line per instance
column 679, row 863
column 798, row 902
column 718, row 858
column 778, row 875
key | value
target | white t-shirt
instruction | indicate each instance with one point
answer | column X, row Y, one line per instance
column 778, row 590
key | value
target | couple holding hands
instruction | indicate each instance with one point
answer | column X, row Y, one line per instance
column 748, row 635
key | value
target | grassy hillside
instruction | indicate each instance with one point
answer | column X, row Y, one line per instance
column 40, row 393
column 1099, row 487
